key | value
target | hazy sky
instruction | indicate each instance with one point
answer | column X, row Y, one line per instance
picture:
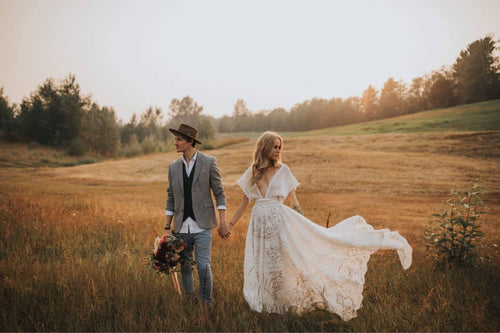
column 135, row 54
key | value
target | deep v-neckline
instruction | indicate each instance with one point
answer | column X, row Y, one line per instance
column 268, row 185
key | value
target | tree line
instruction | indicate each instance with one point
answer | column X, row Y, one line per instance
column 472, row 78
column 57, row 114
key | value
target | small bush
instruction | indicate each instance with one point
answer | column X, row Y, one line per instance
column 453, row 236
column 76, row 148
column 130, row 150
column 151, row 144
column 133, row 148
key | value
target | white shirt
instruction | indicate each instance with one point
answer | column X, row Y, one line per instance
column 189, row 225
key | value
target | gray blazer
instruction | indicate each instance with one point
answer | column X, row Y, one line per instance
column 206, row 179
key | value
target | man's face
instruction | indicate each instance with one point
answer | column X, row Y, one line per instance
column 181, row 145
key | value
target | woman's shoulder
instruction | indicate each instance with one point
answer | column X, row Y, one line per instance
column 247, row 173
column 284, row 166
column 287, row 173
column 244, row 182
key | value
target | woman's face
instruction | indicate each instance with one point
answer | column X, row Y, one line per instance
column 276, row 151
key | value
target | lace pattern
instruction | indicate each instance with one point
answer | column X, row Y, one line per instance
column 294, row 264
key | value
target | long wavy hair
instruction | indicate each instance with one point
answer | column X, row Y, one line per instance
column 262, row 155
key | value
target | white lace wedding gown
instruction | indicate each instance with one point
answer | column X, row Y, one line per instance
column 294, row 264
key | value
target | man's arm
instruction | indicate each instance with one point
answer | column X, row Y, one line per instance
column 220, row 198
column 169, row 209
column 216, row 185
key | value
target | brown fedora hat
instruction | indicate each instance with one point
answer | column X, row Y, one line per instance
column 186, row 130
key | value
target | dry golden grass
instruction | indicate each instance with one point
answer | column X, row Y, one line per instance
column 75, row 239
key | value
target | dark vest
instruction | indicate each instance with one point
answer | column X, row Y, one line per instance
column 188, row 199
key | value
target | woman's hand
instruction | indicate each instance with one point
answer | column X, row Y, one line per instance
column 295, row 202
column 224, row 230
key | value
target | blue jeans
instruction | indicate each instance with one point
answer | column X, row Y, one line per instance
column 202, row 244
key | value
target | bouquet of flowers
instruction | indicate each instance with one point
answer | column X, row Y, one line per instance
column 168, row 255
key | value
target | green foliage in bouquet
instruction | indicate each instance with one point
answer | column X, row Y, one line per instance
column 453, row 236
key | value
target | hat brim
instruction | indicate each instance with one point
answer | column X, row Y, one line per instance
column 176, row 132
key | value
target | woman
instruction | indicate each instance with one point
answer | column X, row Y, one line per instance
column 292, row 263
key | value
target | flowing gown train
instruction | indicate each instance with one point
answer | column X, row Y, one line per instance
column 294, row 264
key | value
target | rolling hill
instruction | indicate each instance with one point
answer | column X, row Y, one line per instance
column 75, row 239
column 482, row 116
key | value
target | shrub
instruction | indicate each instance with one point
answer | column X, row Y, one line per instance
column 130, row 150
column 452, row 237
column 76, row 148
column 133, row 148
column 151, row 144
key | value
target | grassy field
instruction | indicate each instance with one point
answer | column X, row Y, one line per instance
column 20, row 155
column 483, row 116
column 75, row 240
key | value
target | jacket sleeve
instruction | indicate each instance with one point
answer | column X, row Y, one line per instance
column 170, row 194
column 216, row 184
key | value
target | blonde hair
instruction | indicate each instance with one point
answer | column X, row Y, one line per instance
column 262, row 155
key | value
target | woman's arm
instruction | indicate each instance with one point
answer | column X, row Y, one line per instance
column 295, row 202
column 239, row 212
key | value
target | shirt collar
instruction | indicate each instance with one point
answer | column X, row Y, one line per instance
column 192, row 160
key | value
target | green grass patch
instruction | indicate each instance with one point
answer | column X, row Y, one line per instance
column 483, row 116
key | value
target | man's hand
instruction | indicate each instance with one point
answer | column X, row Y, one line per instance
column 224, row 230
column 168, row 222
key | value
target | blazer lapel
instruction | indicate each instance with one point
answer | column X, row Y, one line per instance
column 198, row 166
column 179, row 172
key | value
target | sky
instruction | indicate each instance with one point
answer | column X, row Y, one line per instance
column 131, row 55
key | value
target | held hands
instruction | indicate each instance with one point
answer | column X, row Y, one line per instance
column 224, row 230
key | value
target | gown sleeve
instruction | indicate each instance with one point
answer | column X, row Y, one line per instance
column 289, row 182
column 284, row 183
column 244, row 183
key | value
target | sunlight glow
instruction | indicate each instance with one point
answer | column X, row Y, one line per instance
column 131, row 55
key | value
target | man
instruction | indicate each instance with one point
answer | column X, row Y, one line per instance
column 191, row 181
